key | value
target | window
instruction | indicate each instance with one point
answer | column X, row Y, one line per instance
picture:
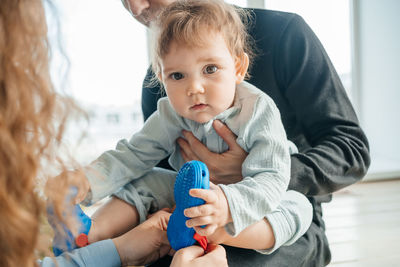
column 242, row 3
column 330, row 20
column 107, row 52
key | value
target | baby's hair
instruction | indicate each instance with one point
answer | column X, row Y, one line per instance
column 190, row 22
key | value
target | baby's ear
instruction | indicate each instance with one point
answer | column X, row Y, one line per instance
column 241, row 66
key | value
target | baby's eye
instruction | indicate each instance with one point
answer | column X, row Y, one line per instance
column 176, row 76
column 210, row 69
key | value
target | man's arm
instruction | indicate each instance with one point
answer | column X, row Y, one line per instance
column 337, row 154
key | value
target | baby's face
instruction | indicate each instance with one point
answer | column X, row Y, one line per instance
column 200, row 81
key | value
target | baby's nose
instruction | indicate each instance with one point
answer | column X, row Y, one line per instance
column 195, row 88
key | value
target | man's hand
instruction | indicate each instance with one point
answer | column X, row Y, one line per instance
column 214, row 213
column 194, row 256
column 225, row 168
column 145, row 243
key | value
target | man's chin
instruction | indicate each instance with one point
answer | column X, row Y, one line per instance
column 146, row 18
column 144, row 21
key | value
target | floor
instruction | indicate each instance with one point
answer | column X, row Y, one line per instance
column 363, row 225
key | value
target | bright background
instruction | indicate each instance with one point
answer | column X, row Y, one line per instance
column 108, row 56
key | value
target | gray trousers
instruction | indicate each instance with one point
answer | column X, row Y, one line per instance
column 150, row 193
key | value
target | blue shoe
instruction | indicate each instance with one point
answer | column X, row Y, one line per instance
column 64, row 240
column 192, row 175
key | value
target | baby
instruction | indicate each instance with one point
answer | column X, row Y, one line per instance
column 201, row 57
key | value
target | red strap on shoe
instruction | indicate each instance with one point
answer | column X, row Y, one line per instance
column 202, row 240
column 82, row 240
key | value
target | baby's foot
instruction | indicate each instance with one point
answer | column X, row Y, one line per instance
column 63, row 237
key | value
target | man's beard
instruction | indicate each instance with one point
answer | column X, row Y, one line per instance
column 146, row 16
column 149, row 15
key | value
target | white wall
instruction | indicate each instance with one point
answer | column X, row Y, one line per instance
column 377, row 54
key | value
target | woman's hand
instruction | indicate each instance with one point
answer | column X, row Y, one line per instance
column 145, row 243
column 194, row 256
column 225, row 168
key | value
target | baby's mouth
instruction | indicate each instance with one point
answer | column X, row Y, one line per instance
column 198, row 106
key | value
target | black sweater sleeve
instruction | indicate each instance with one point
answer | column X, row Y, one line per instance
column 337, row 151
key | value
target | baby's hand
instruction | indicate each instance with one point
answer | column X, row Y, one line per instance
column 214, row 213
column 68, row 179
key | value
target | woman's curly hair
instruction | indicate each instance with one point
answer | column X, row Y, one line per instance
column 32, row 121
